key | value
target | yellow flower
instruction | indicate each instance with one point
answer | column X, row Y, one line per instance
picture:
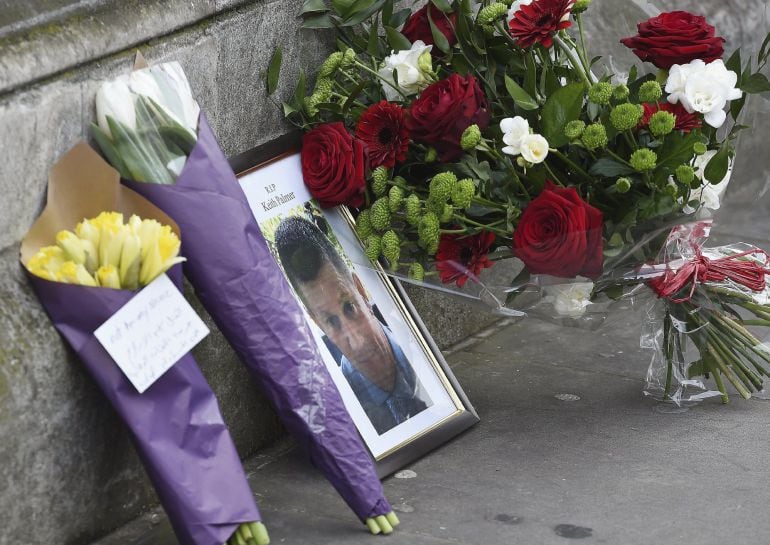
column 72, row 246
column 130, row 261
column 46, row 262
column 111, row 239
column 149, row 232
column 161, row 254
column 86, row 230
column 75, row 273
column 107, row 276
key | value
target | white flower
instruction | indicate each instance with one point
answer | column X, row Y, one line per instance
column 115, row 100
column 710, row 195
column 534, row 148
column 168, row 87
column 514, row 129
column 406, row 63
column 570, row 299
column 703, row 88
column 516, row 6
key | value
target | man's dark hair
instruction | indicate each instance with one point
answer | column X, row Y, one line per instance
column 303, row 249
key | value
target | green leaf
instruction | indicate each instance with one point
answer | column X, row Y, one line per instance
column 387, row 12
column 443, row 5
column 343, row 7
column 373, row 47
column 313, row 6
column 563, row 106
column 763, row 51
column 716, row 169
column 363, row 14
column 273, row 70
column 439, row 39
column 734, row 62
column 609, row 168
column 676, row 151
column 318, row 21
column 519, row 95
column 300, row 91
column 288, row 109
column 397, row 41
column 756, row 83
column 399, row 18
column 109, row 151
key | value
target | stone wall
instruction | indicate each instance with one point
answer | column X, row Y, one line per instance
column 67, row 471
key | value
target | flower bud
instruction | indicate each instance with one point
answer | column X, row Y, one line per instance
column 491, row 13
column 323, row 89
column 650, row 91
column 684, row 174
column 417, row 272
column 130, row 261
column 441, row 186
column 600, row 93
column 580, row 6
column 380, row 214
column 662, row 123
column 380, row 180
column 623, row 185
column 372, row 247
column 412, row 207
column 595, row 136
column 391, row 248
column 428, row 231
column 574, row 129
column 395, row 198
column 348, row 58
column 425, row 62
column 470, row 138
column 643, row 160
column 107, row 277
column 620, row 92
column 699, row 148
column 75, row 273
column 626, row 116
column 463, row 193
column 431, row 155
column 330, row 65
column 72, row 247
column 364, row 224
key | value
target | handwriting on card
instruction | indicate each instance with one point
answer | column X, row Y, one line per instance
column 151, row 332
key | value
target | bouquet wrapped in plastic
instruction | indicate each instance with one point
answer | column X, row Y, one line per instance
column 471, row 133
column 85, row 263
column 166, row 151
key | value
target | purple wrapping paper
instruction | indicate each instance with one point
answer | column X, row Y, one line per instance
column 175, row 424
column 238, row 281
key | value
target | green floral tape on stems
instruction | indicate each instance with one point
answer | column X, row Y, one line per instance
column 382, row 524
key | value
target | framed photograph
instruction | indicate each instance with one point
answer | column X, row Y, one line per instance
column 398, row 389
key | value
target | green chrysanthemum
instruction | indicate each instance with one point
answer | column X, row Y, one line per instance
column 600, row 93
column 380, row 180
column 372, row 247
column 491, row 13
column 348, row 58
column 391, row 248
column 574, row 129
column 323, row 89
column 330, row 65
column 417, row 272
column 395, row 198
column 643, row 159
column 662, row 123
column 442, row 185
column 412, row 209
column 684, row 174
column 428, row 231
column 595, row 136
column 650, row 91
column 580, row 6
column 364, row 224
column 471, row 137
column 380, row 214
column 463, row 193
column 623, row 185
column 431, row 155
column 620, row 92
column 446, row 213
column 699, row 148
column 311, row 105
column 625, row 117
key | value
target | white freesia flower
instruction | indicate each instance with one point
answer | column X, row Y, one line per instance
column 406, row 63
column 167, row 85
column 703, row 88
column 115, row 100
column 514, row 129
column 571, row 300
column 710, row 195
column 534, row 148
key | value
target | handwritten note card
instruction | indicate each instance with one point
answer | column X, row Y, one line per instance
column 151, row 332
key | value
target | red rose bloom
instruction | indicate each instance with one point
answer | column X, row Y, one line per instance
column 560, row 234
column 444, row 110
column 677, row 37
column 537, row 22
column 417, row 27
column 460, row 257
column 382, row 128
column 333, row 165
column 685, row 121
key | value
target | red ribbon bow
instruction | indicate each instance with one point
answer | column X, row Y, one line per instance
column 702, row 269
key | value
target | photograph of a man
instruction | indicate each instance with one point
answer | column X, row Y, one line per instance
column 373, row 363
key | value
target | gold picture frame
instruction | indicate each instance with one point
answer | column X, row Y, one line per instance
column 430, row 407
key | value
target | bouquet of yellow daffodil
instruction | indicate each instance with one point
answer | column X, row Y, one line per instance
column 90, row 273
column 105, row 252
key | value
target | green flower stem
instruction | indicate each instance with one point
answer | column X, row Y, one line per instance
column 617, row 157
column 734, row 379
column 469, row 221
column 764, row 323
column 554, row 178
column 668, row 348
column 728, row 293
column 571, row 164
column 488, row 203
column 583, row 49
column 453, row 231
column 749, row 377
column 575, row 61
column 375, row 74
column 631, row 140
column 745, row 351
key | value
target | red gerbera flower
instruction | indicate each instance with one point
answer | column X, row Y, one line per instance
column 685, row 121
column 537, row 22
column 382, row 128
column 459, row 257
